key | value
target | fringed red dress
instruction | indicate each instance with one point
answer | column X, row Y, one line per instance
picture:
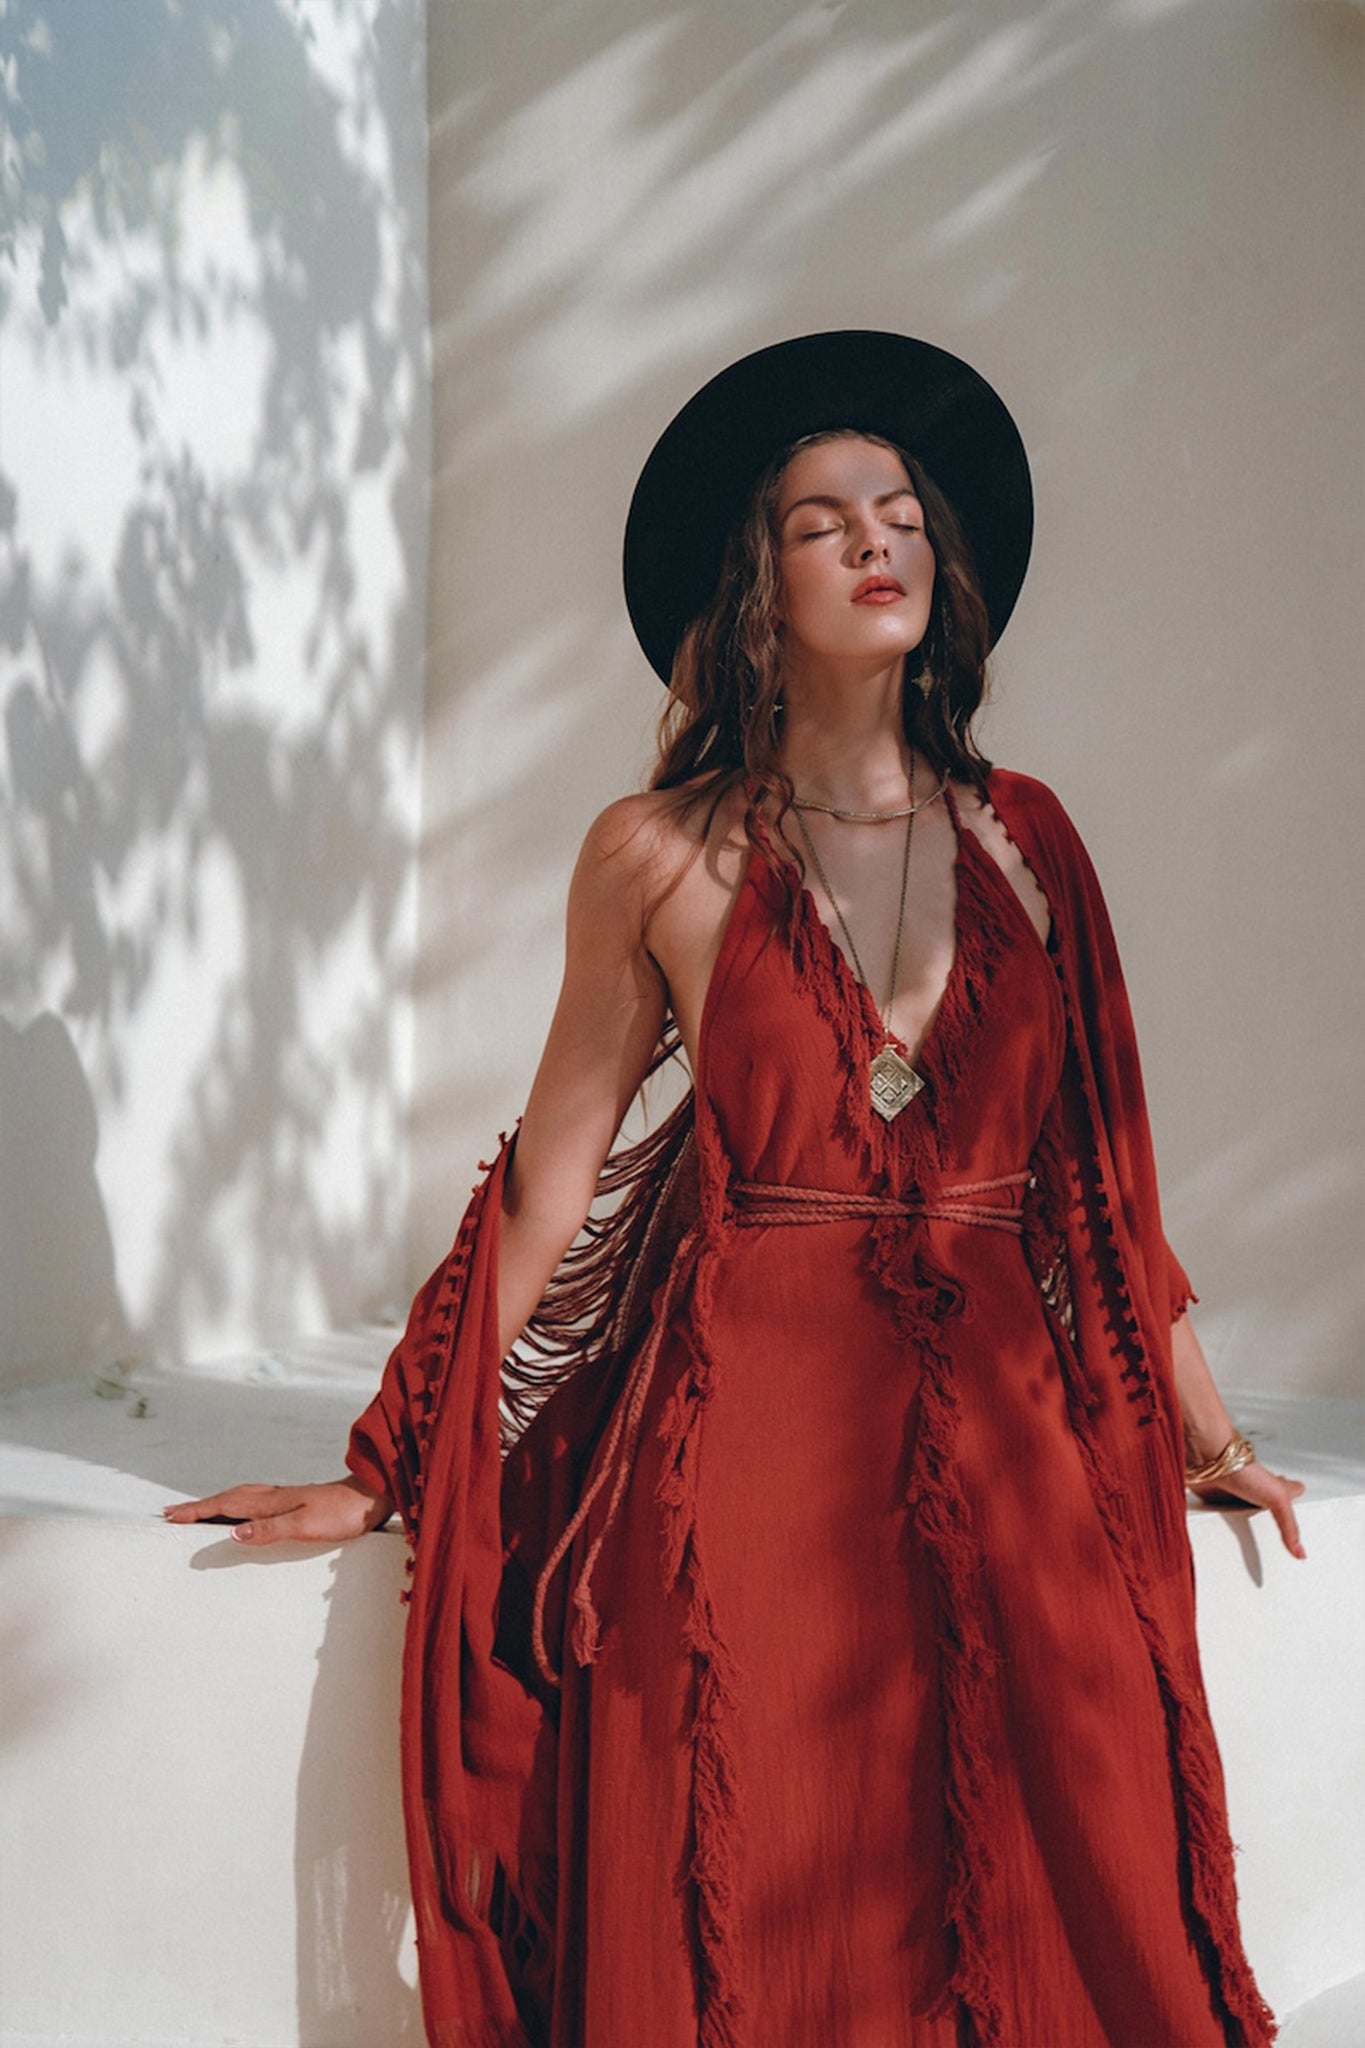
column 820, row 1665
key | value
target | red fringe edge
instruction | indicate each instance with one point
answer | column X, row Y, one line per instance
column 969, row 1661
column 1196, row 1767
column 714, row 1865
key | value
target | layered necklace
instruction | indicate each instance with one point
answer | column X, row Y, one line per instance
column 892, row 1081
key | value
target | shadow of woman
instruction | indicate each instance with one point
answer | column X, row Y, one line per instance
column 62, row 1312
column 356, row 1960
column 356, row 1967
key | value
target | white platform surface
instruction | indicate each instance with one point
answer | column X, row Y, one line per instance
column 200, row 1839
column 1335, row 2019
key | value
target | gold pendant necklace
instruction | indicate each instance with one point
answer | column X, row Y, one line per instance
column 892, row 1081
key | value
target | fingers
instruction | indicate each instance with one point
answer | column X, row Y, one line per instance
column 1258, row 1487
column 236, row 1503
column 260, row 1525
column 1278, row 1494
column 1286, row 1521
column 321, row 1512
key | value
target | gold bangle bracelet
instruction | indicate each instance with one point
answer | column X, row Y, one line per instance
column 1239, row 1452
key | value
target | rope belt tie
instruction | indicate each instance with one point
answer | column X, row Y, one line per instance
column 759, row 1202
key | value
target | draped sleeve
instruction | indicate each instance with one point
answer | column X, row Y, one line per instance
column 1178, row 1286
column 482, row 1457
column 1123, row 1284
column 430, row 1441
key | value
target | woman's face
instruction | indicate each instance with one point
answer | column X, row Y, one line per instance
column 857, row 568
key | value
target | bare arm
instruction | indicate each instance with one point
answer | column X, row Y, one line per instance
column 605, row 1028
column 1209, row 1427
column 606, row 1025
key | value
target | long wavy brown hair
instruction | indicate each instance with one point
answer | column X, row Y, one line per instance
column 721, row 727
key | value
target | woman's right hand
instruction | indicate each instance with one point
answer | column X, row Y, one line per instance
column 329, row 1512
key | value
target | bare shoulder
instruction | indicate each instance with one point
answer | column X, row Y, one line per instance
column 647, row 840
column 642, row 849
column 624, row 845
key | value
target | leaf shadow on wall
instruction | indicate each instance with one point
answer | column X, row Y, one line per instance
column 58, row 1293
column 211, row 717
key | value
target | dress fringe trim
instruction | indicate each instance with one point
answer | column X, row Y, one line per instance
column 419, row 1417
column 598, row 1301
column 907, row 1155
column 714, row 1861
column 924, row 1300
column 1209, row 1873
column 615, row 1462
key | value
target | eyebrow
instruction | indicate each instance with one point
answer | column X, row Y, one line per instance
column 901, row 491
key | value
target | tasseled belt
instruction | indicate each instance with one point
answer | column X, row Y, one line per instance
column 757, row 1201
column 752, row 1202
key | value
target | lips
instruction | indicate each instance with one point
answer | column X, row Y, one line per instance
column 877, row 590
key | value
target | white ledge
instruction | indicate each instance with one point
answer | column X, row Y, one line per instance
column 199, row 1811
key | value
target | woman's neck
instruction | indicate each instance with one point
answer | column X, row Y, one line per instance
column 847, row 746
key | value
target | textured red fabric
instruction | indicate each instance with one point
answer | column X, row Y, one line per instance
column 868, row 1705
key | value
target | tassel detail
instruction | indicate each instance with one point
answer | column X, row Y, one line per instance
column 924, row 1300
column 714, row 1865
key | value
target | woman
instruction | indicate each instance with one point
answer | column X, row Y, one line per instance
column 820, row 1665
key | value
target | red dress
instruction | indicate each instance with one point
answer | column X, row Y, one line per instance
column 878, row 1722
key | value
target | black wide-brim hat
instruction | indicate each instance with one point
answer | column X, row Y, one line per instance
column 701, row 472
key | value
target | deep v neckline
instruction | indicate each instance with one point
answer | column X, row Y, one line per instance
column 774, row 908
column 856, row 991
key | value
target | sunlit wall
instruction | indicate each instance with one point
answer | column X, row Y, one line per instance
column 1142, row 220
column 214, row 468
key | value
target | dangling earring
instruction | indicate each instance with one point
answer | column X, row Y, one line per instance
column 924, row 681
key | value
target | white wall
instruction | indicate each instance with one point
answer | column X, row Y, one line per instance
column 214, row 467
column 1141, row 219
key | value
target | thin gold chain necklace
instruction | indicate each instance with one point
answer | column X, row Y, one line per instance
column 892, row 1081
column 810, row 803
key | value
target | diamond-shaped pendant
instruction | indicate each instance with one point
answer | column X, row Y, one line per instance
column 894, row 1082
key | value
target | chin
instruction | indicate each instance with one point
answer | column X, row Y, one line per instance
column 874, row 638
column 886, row 646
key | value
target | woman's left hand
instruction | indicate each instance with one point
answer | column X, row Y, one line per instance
column 1258, row 1487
